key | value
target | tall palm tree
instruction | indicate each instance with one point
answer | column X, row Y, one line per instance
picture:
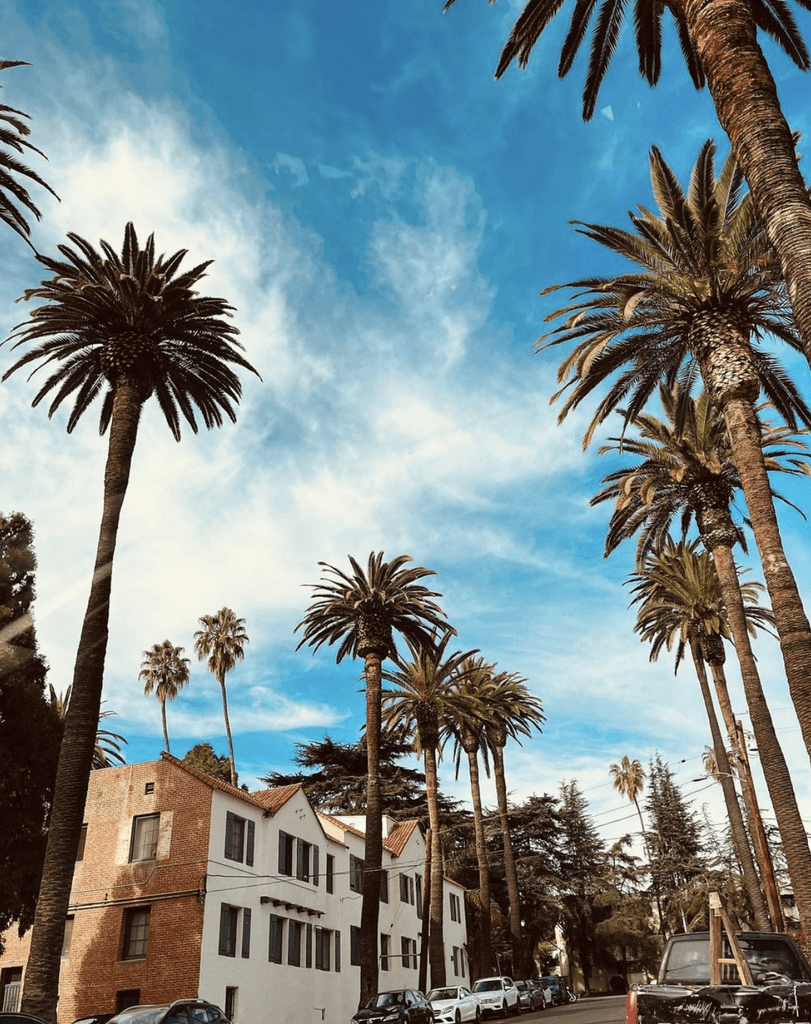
column 718, row 40
column 125, row 327
column 14, row 197
column 686, row 473
column 362, row 611
column 628, row 778
column 165, row 671
column 512, row 712
column 705, row 290
column 680, row 601
column 467, row 714
column 222, row 640
column 417, row 708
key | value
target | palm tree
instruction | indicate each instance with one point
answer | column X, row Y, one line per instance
column 222, row 640
column 706, row 290
column 165, row 671
column 628, row 778
column 363, row 610
column 686, row 473
column 680, row 600
column 718, row 40
column 512, row 711
column 14, row 197
column 465, row 722
column 417, row 709
column 127, row 326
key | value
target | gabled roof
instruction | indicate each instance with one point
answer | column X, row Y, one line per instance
column 270, row 800
column 394, row 842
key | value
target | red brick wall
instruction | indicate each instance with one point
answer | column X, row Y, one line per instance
column 104, row 883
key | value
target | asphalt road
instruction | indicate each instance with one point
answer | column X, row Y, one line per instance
column 597, row 1010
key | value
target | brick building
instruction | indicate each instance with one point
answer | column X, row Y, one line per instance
column 186, row 886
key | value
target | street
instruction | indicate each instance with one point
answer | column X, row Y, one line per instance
column 597, row 1010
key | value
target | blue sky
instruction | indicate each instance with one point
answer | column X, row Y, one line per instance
column 383, row 214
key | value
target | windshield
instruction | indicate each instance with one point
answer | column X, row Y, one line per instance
column 689, row 962
column 142, row 1015
column 384, row 999
column 488, row 985
column 441, row 993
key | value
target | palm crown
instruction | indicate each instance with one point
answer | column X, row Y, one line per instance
column 221, row 640
column 14, row 196
column 107, row 318
column 164, row 670
column 684, row 472
column 364, row 610
column 704, row 255
column 774, row 19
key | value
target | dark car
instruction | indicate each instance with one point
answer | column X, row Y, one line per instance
column 552, row 982
column 181, row 1011
column 95, row 1018
column 20, row 1018
column 399, row 1005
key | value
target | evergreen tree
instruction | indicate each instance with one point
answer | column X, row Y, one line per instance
column 582, row 868
column 30, row 731
column 675, row 845
column 202, row 756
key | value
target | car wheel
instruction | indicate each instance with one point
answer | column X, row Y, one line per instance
column 478, row 1017
column 504, row 1011
column 458, row 1017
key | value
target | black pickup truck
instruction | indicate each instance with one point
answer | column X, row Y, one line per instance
column 682, row 994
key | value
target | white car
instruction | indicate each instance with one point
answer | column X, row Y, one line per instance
column 497, row 995
column 454, row 1004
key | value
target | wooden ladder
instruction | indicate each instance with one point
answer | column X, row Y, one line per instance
column 719, row 917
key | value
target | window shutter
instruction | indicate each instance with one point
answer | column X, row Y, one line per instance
column 300, row 867
column 309, row 944
column 337, row 950
column 229, row 834
column 225, row 921
column 319, row 953
column 249, row 843
column 315, row 865
column 246, row 932
column 282, row 853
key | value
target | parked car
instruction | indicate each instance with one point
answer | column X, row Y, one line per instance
column 497, row 995
column 527, row 1000
column 181, row 1011
column 400, row 1005
column 95, row 1018
column 543, row 994
column 20, row 1018
column 552, row 983
column 454, row 1004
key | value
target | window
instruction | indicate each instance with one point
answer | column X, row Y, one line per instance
column 231, row 998
column 408, row 948
column 418, row 880
column 455, row 959
column 82, row 840
column 127, row 997
column 144, row 842
column 135, row 932
column 149, row 788
column 384, row 886
column 239, row 838
column 456, row 907
column 354, row 945
column 294, row 930
column 330, row 873
column 407, row 889
column 229, row 925
column 323, row 944
column 246, row 933
column 67, row 935
column 384, row 952
column 285, row 854
column 276, row 939
column 355, row 874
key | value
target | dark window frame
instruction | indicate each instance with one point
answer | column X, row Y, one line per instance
column 135, row 932
column 144, row 838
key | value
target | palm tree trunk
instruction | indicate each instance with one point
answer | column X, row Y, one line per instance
column 790, row 618
column 41, row 986
column 773, row 762
column 739, row 836
column 746, row 101
column 436, row 943
column 509, row 862
column 485, row 945
column 373, row 859
column 165, row 729
column 232, row 763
